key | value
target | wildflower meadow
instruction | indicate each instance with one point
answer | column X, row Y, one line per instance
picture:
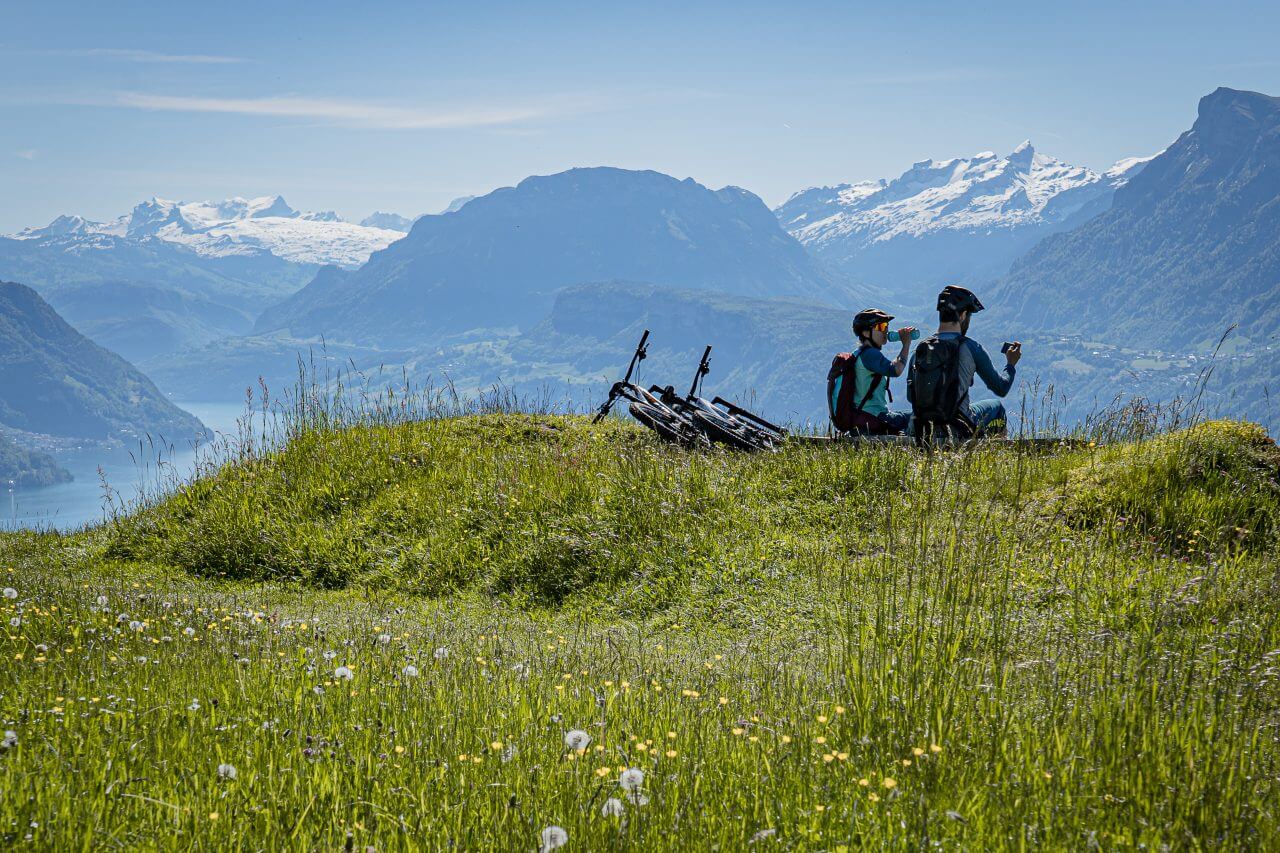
column 525, row 632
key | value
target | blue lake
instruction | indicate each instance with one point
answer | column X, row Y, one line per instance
column 127, row 471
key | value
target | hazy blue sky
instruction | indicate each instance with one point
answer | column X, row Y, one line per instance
column 402, row 107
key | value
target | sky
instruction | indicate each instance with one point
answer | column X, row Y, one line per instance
column 403, row 107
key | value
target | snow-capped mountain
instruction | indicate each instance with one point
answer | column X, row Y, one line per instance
column 237, row 226
column 962, row 219
column 389, row 221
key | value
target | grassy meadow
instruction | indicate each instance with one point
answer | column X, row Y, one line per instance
column 514, row 632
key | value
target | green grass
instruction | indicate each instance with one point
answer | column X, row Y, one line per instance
column 770, row 638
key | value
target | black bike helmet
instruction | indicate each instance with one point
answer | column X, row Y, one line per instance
column 958, row 299
column 864, row 320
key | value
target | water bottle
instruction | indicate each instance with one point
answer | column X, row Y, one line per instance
column 893, row 336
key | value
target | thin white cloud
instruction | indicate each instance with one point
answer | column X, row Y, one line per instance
column 26, row 153
column 924, row 77
column 355, row 113
column 144, row 55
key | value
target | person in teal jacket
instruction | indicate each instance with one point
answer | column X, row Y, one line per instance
column 872, row 328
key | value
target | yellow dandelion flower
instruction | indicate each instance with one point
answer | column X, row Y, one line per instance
column 864, row 782
column 822, row 718
column 213, row 815
column 906, row 762
column 839, row 709
column 828, row 758
column 935, row 748
column 671, row 735
column 399, row 749
column 873, row 797
column 724, row 700
column 842, row 755
column 889, row 783
column 820, row 739
column 738, row 731
column 917, row 752
column 603, row 772
column 496, row 745
column 786, row 738
column 819, row 808
column 671, row 753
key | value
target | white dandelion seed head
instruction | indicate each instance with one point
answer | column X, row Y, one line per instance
column 577, row 739
column 15, row 622
column 10, row 592
column 10, row 739
column 409, row 671
column 553, row 837
column 41, row 648
column 122, row 617
column 140, row 659
column 612, row 807
column 638, row 798
column 383, row 639
column 344, row 673
column 242, row 661
column 329, row 655
column 226, row 771
column 519, row 669
column 135, row 625
column 188, row 631
column 631, row 779
column 318, row 690
column 441, row 653
column 194, row 706
column 508, row 754
column 102, row 601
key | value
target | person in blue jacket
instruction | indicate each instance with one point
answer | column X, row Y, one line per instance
column 956, row 306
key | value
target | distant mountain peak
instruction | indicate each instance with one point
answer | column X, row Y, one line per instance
column 389, row 221
column 984, row 210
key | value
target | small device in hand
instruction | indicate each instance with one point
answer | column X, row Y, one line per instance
column 1006, row 346
column 894, row 337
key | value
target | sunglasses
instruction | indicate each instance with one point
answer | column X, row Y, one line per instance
column 881, row 327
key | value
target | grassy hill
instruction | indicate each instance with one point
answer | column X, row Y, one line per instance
column 462, row 631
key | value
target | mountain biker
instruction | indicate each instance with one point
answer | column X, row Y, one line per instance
column 943, row 368
column 858, row 382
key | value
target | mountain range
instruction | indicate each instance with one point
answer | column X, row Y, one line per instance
column 237, row 226
column 145, row 297
column 948, row 221
column 1121, row 280
column 495, row 264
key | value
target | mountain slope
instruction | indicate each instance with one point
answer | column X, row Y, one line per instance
column 497, row 261
column 55, row 381
column 963, row 219
column 1189, row 246
column 773, row 353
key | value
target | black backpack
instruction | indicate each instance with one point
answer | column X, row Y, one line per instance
column 933, row 387
column 847, row 413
